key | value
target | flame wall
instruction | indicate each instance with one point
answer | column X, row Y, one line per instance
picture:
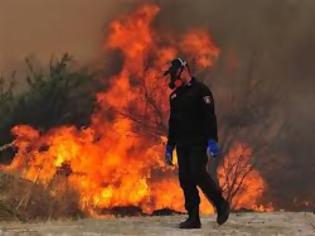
column 281, row 35
column 111, row 163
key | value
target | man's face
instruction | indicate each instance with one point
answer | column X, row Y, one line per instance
column 175, row 78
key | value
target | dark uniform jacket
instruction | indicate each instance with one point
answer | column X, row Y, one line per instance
column 192, row 115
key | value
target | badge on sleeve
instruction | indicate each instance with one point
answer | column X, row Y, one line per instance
column 207, row 99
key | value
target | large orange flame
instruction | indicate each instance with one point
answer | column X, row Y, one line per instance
column 241, row 182
column 118, row 160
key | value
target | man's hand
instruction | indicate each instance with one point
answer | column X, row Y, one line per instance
column 213, row 148
column 169, row 154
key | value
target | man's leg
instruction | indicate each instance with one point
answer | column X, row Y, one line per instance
column 186, row 182
column 210, row 188
column 190, row 190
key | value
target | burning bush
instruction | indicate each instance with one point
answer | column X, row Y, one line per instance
column 62, row 95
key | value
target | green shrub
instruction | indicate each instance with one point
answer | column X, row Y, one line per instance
column 57, row 96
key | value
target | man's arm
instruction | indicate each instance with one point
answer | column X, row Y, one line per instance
column 210, row 119
column 170, row 139
column 171, row 129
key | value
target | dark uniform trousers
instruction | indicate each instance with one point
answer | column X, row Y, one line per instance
column 192, row 162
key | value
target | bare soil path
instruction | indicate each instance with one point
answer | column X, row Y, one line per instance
column 278, row 223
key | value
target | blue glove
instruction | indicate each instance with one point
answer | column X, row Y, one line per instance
column 169, row 154
column 213, row 148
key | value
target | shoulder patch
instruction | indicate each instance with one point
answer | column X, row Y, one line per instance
column 207, row 99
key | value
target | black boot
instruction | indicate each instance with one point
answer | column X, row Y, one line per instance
column 193, row 221
column 223, row 211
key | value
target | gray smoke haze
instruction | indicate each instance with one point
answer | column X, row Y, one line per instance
column 279, row 38
column 279, row 35
column 43, row 28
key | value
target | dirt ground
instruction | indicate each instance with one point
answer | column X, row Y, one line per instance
column 280, row 223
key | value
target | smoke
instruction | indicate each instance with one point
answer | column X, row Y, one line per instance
column 41, row 29
column 277, row 37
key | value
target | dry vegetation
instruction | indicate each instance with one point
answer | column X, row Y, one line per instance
column 57, row 95
column 28, row 201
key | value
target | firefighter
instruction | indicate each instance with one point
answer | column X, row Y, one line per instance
column 193, row 132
